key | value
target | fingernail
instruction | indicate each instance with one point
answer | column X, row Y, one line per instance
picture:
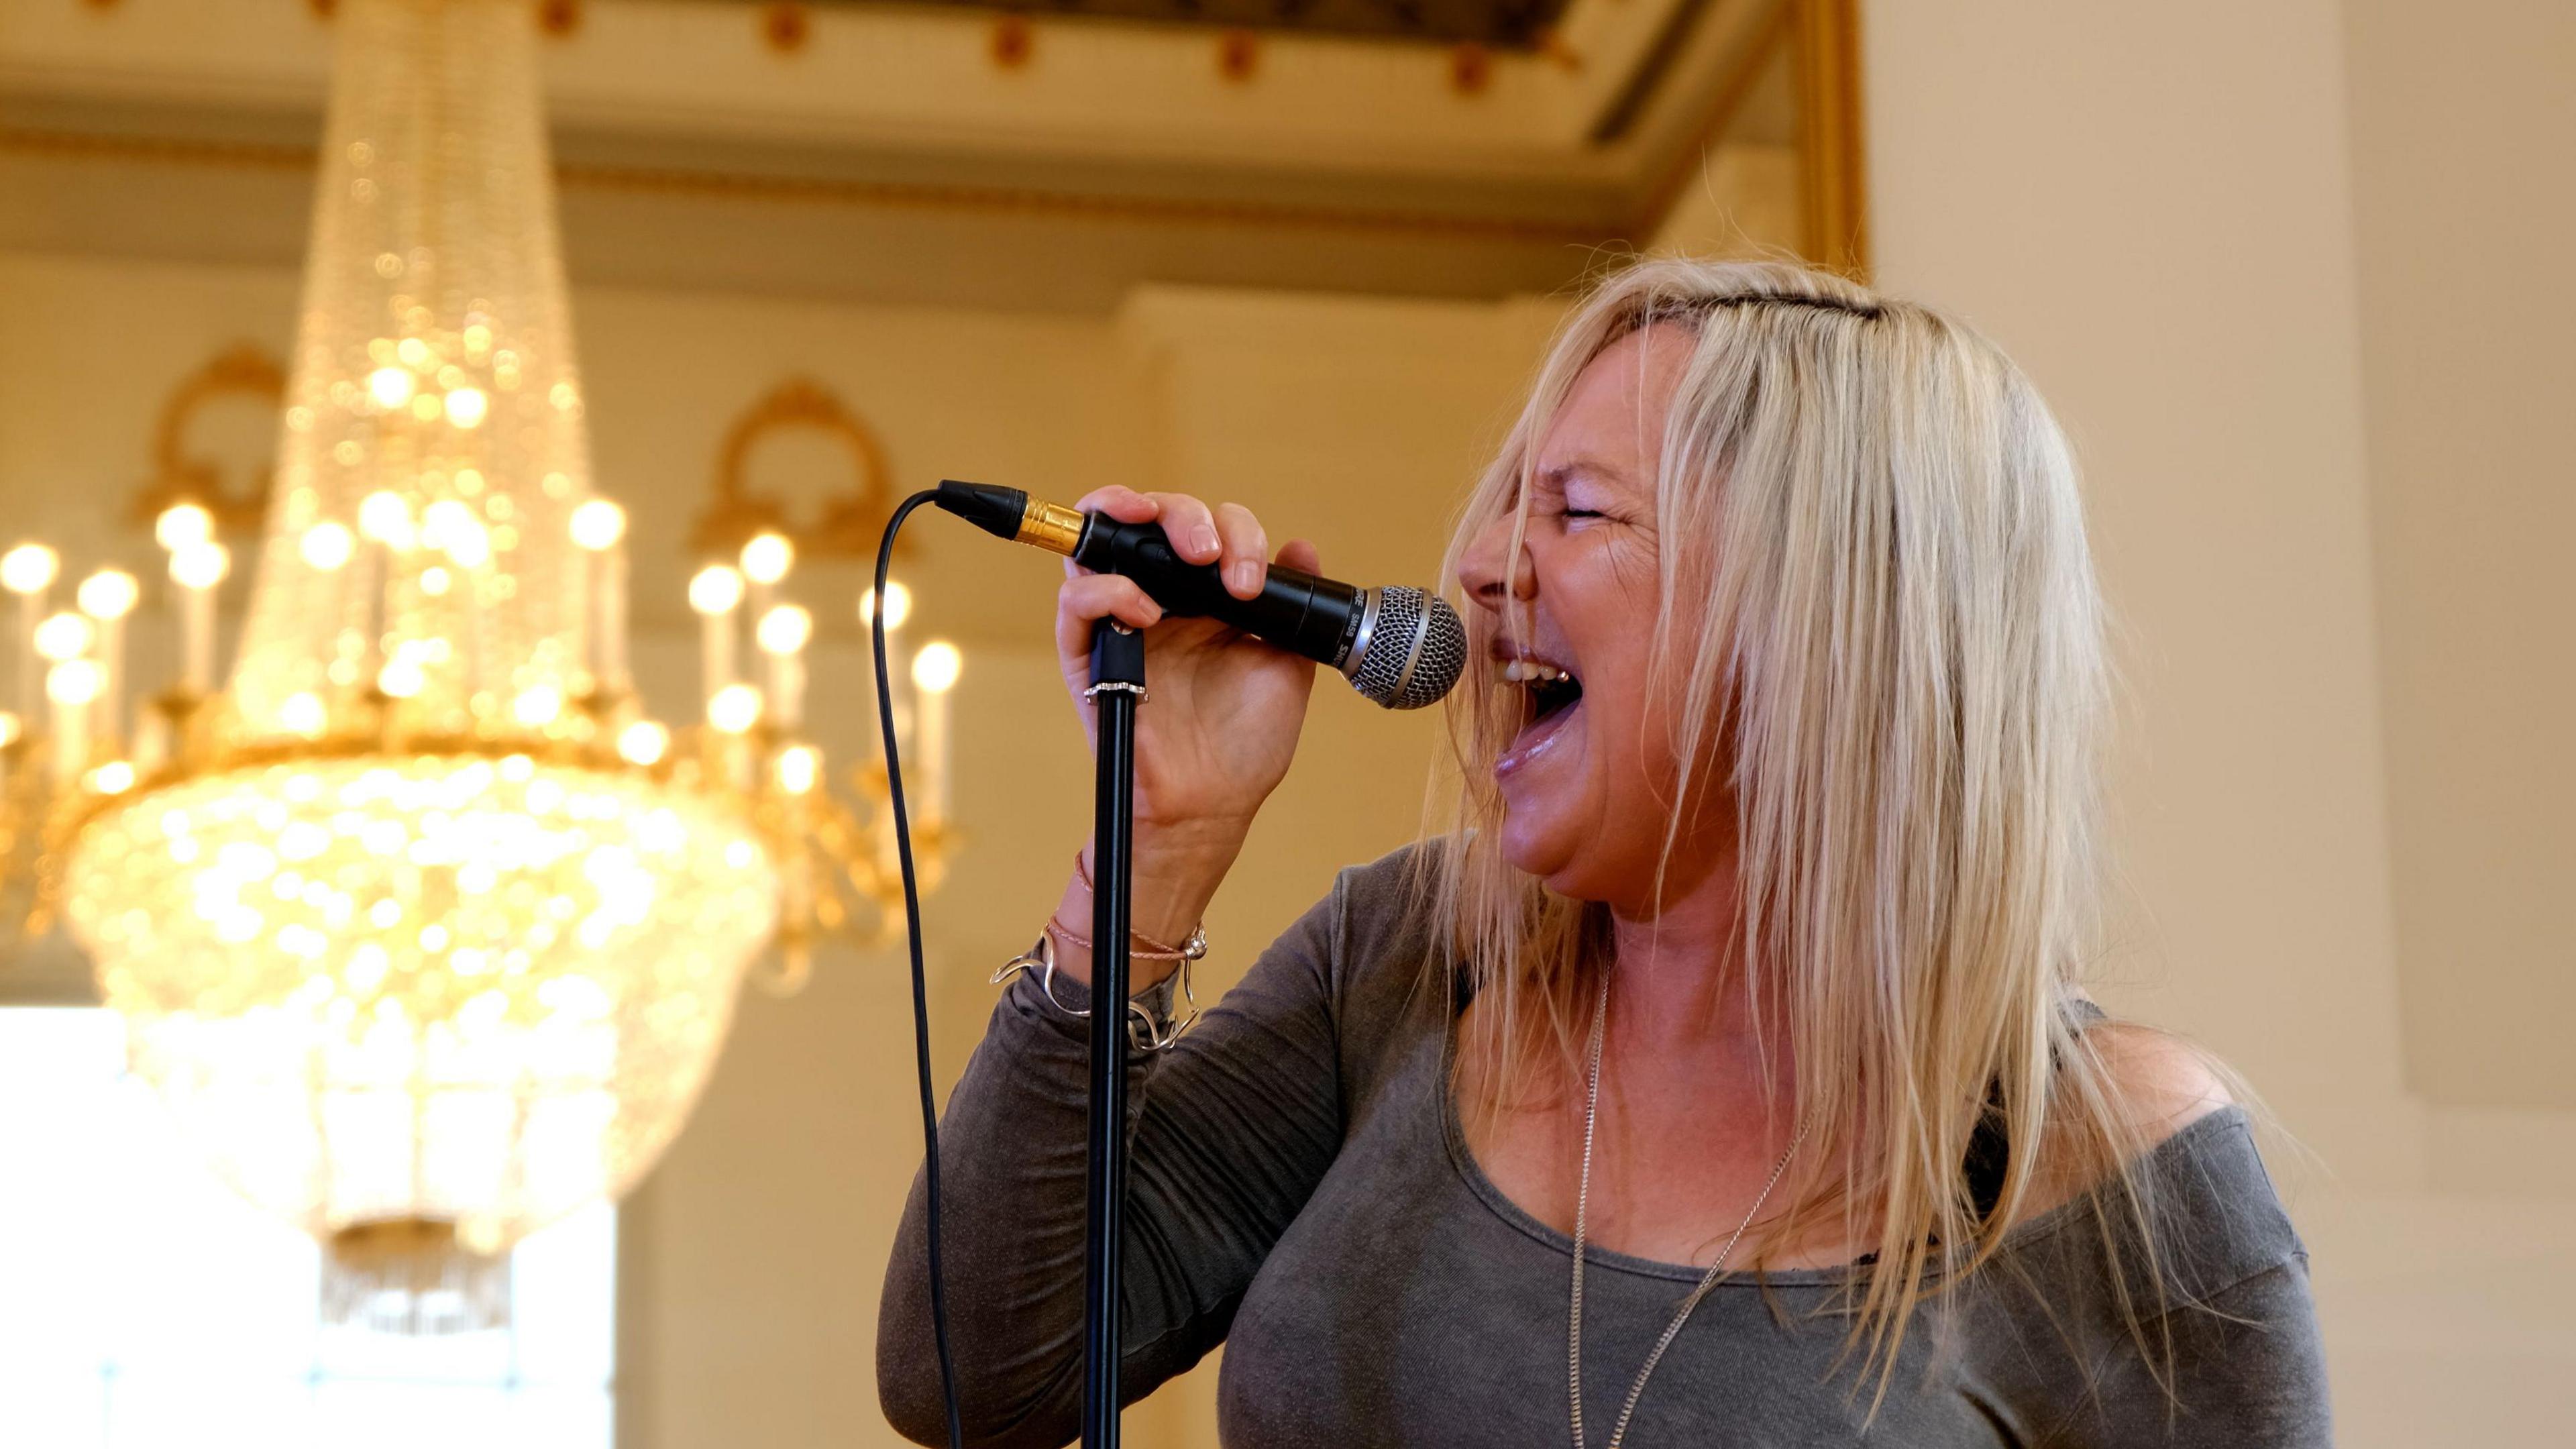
column 1241, row 575
column 1203, row 539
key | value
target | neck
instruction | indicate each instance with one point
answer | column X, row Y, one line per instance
column 1680, row 972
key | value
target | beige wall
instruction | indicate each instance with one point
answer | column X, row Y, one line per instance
column 2177, row 276
column 2159, row 210
column 2464, row 146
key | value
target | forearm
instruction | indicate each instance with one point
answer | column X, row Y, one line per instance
column 1012, row 1145
column 1230, row 1130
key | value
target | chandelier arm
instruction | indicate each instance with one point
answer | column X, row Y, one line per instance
column 849, row 870
column 920, row 974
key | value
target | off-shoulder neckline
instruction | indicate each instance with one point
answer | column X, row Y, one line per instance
column 2191, row 1139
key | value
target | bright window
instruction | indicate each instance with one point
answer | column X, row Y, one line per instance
column 143, row 1306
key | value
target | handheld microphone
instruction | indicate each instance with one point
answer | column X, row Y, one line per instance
column 1399, row 647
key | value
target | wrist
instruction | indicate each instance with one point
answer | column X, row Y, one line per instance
column 1176, row 871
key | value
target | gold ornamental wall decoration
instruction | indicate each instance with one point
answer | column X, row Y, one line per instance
column 849, row 523
column 179, row 475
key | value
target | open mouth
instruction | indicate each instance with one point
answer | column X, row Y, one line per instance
column 1550, row 689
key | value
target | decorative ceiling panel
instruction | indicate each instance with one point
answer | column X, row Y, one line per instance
column 905, row 149
column 1501, row 24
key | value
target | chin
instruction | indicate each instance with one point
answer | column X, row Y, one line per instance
column 1545, row 847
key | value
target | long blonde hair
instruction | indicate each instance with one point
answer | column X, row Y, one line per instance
column 1869, row 521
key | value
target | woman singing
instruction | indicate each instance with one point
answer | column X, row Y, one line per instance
column 1722, row 1076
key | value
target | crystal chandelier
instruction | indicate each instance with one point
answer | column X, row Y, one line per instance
column 425, row 932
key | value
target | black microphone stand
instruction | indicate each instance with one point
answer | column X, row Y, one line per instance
column 1117, row 688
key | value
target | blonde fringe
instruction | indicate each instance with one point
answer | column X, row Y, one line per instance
column 1904, row 673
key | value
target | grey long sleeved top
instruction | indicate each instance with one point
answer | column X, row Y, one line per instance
column 1303, row 1194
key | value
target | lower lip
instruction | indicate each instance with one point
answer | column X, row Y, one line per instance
column 1536, row 742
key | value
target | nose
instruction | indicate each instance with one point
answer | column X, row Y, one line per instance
column 1494, row 570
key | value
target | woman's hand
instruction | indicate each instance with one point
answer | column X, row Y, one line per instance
column 1221, row 725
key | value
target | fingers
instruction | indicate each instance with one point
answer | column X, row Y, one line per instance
column 1228, row 536
column 1121, row 503
column 1244, row 546
column 1299, row 554
column 1191, row 526
column 1086, row 598
column 1124, row 504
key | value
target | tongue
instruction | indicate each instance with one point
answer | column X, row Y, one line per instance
column 1552, row 711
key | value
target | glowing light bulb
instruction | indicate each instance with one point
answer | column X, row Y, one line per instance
column 537, row 707
column 64, row 636
column 734, row 709
column 74, row 682
column 767, row 558
column 402, row 678
column 303, row 714
column 799, row 768
column 445, row 518
column 937, row 666
column 200, row 565
column 481, row 1232
column 898, row 605
column 466, row 407
column 113, row 778
column 29, row 568
column 183, row 524
column 386, row 518
column 598, row 524
column 785, row 629
column 451, row 526
column 108, row 594
column 643, row 742
column 390, row 386
column 716, row 590
column 328, row 545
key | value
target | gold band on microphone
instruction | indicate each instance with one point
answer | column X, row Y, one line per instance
column 1051, row 526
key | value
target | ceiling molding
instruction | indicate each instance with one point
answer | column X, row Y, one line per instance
column 1502, row 24
column 1124, row 156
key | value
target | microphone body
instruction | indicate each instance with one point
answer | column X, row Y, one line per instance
column 1400, row 647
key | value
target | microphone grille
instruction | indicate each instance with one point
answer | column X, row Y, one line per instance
column 1415, row 653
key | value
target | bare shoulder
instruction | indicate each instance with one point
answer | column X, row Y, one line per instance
column 2159, row 1083
column 2155, row 1083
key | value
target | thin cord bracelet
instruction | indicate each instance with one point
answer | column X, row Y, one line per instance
column 1191, row 949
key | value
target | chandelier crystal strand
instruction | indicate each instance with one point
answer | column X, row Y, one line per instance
column 433, row 407
column 421, row 935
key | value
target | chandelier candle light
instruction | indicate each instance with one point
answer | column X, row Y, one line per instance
column 425, row 931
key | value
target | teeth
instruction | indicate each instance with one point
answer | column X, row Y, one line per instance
column 1531, row 671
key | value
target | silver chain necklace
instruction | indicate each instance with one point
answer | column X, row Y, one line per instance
column 1582, row 1215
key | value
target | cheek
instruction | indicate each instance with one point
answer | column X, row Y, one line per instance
column 1637, row 735
column 1629, row 720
